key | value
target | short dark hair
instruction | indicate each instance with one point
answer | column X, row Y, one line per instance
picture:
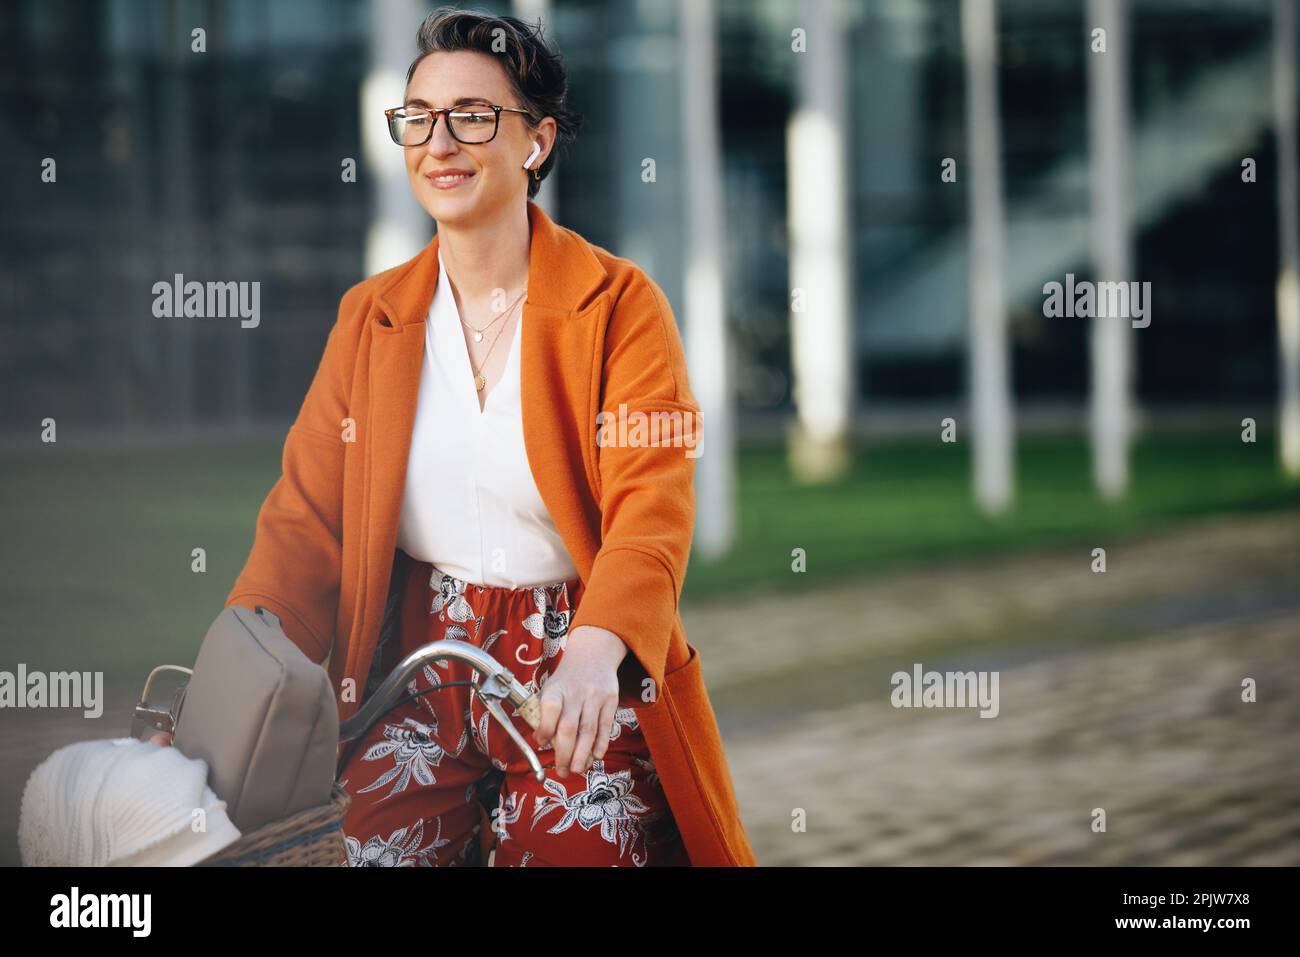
column 535, row 68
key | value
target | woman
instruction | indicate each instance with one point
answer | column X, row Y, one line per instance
column 446, row 478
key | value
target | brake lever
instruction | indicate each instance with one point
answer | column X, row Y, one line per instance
column 495, row 688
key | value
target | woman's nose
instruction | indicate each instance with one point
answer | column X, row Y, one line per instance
column 441, row 142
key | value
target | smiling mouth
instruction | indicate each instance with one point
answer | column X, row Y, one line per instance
column 445, row 180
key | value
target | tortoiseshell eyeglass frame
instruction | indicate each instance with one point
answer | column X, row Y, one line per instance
column 459, row 108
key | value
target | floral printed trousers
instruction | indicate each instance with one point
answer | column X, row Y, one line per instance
column 415, row 777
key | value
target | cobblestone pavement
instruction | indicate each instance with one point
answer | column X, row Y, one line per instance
column 1151, row 727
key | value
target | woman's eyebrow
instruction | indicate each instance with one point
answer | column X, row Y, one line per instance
column 462, row 100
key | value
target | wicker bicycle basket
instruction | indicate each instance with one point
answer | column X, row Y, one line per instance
column 310, row 838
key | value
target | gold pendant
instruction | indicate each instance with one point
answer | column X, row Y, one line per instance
column 479, row 382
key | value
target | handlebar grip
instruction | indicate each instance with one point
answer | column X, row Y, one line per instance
column 531, row 711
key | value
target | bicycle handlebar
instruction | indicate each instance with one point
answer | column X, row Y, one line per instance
column 498, row 684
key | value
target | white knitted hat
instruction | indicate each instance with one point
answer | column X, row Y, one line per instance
column 120, row 802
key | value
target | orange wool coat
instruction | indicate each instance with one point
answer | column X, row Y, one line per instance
column 597, row 333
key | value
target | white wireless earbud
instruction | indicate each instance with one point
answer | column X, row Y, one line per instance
column 537, row 148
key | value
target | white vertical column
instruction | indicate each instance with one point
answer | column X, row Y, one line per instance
column 399, row 227
column 1288, row 239
column 705, row 277
column 821, row 331
column 180, row 252
column 987, row 366
column 1110, row 412
column 531, row 11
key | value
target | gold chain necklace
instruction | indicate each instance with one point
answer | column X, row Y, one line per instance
column 478, row 333
column 479, row 381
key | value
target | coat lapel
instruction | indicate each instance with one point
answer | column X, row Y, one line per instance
column 563, row 275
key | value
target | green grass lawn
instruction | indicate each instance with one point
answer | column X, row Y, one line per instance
column 97, row 548
column 908, row 501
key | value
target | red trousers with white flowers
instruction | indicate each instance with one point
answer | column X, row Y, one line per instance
column 416, row 777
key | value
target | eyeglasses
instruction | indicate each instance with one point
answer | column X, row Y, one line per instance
column 468, row 122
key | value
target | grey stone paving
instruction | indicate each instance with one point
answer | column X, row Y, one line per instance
column 1151, row 728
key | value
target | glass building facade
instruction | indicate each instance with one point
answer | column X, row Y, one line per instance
column 226, row 165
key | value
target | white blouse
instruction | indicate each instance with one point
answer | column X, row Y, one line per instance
column 471, row 506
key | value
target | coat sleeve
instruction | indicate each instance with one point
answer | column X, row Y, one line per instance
column 646, row 492
column 295, row 566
